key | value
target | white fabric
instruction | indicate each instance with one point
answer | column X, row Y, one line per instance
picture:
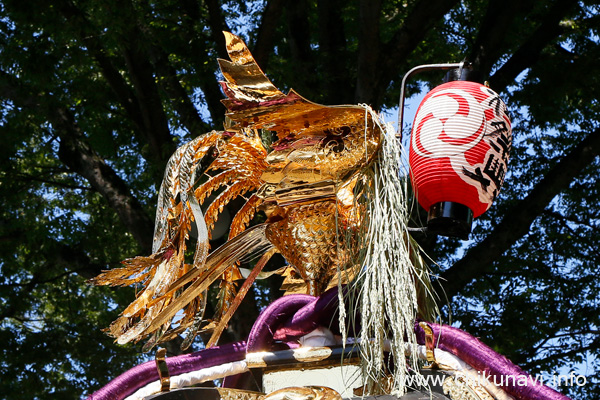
column 455, row 366
column 447, row 362
column 318, row 338
column 192, row 378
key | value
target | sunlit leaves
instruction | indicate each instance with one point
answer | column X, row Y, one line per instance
column 539, row 304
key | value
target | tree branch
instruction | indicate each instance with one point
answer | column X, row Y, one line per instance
column 491, row 38
column 266, row 33
column 32, row 178
column 156, row 127
column 217, row 24
column 299, row 43
column 332, row 46
column 479, row 260
column 171, row 85
column 201, row 57
column 529, row 52
column 562, row 354
column 572, row 219
column 190, row 118
column 79, row 157
column 125, row 94
column 421, row 19
column 369, row 44
column 212, row 97
column 37, row 279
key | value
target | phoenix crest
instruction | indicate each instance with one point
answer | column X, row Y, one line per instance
column 327, row 187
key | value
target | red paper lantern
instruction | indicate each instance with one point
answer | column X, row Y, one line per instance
column 460, row 143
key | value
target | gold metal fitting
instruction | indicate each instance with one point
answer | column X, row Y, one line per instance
column 163, row 370
column 429, row 345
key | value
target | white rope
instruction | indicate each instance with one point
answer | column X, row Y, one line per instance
column 192, row 378
column 455, row 366
column 447, row 362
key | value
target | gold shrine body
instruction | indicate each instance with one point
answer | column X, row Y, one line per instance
column 312, row 168
column 308, row 185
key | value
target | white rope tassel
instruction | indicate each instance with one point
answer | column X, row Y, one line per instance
column 388, row 297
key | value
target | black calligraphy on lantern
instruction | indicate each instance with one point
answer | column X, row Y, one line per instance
column 477, row 176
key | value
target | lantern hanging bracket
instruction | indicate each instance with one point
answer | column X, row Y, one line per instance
column 415, row 70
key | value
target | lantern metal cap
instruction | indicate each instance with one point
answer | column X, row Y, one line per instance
column 447, row 218
column 464, row 74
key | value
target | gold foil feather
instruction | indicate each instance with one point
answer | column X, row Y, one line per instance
column 316, row 185
column 253, row 240
column 242, row 218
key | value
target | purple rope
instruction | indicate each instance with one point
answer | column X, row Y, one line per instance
column 277, row 323
column 293, row 316
column 260, row 339
column 501, row 370
column 145, row 373
column 320, row 311
column 276, row 314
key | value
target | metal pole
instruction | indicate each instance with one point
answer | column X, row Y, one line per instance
column 415, row 70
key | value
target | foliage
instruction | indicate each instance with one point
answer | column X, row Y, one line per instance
column 95, row 96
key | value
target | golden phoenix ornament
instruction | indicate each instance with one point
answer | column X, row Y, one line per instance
column 319, row 184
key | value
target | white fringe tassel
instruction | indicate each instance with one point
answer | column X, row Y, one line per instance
column 388, row 296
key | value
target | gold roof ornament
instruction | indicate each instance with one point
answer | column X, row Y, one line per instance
column 335, row 208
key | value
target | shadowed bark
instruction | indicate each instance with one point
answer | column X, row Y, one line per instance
column 81, row 159
column 271, row 17
column 369, row 45
column 217, row 24
column 420, row 20
column 156, row 127
column 497, row 22
column 529, row 52
column 171, row 85
column 332, row 46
